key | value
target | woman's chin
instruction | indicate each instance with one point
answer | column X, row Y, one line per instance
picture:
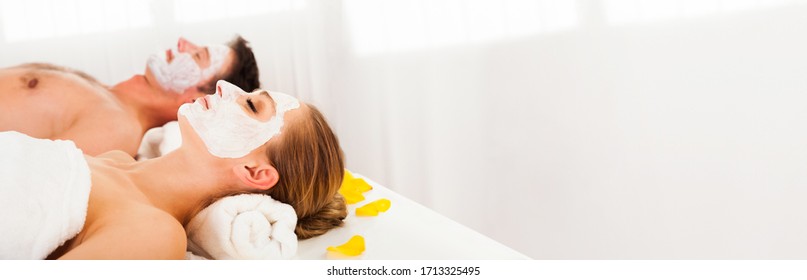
column 190, row 140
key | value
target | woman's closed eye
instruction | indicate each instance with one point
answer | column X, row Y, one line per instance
column 251, row 105
column 258, row 105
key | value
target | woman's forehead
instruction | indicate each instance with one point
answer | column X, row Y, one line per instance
column 264, row 94
column 296, row 115
column 259, row 92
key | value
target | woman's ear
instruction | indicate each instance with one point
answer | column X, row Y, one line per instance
column 261, row 177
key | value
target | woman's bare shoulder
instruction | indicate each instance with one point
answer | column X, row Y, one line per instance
column 153, row 226
column 139, row 233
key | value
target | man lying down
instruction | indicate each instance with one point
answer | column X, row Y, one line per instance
column 62, row 204
column 52, row 102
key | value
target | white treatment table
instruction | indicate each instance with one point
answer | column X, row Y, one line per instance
column 407, row 231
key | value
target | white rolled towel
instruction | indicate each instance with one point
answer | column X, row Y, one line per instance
column 245, row 226
column 159, row 141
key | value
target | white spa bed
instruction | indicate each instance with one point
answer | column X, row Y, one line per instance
column 407, row 231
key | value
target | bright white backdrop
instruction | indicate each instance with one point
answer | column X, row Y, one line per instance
column 564, row 129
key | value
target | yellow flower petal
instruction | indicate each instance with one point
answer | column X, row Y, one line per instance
column 353, row 247
column 372, row 208
column 355, row 185
column 382, row 204
column 348, row 175
column 352, row 197
column 366, row 211
column 352, row 188
column 361, row 185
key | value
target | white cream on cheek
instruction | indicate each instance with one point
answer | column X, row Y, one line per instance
column 226, row 129
column 217, row 55
column 183, row 72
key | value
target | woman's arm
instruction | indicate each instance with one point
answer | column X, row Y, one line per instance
column 160, row 237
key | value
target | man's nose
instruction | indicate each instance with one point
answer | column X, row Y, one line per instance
column 183, row 45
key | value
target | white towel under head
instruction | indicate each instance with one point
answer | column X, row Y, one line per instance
column 159, row 141
column 246, row 226
column 44, row 190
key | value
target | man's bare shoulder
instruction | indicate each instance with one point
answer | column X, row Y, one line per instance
column 58, row 68
column 43, row 100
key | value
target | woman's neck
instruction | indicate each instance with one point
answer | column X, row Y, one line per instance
column 177, row 183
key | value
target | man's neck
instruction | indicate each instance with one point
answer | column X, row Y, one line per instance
column 140, row 106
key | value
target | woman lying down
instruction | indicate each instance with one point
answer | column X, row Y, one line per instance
column 60, row 204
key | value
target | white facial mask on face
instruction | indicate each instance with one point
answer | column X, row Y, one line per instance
column 217, row 55
column 183, row 72
column 226, row 129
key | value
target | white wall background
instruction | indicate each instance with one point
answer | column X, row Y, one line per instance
column 594, row 129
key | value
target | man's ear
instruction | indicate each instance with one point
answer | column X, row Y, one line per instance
column 260, row 177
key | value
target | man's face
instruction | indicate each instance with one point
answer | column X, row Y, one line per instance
column 188, row 66
column 200, row 55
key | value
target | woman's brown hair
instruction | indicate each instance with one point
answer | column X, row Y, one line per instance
column 311, row 166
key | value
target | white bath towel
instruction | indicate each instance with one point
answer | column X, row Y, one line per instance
column 159, row 141
column 44, row 190
column 246, row 226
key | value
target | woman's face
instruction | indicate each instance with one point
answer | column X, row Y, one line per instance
column 232, row 123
